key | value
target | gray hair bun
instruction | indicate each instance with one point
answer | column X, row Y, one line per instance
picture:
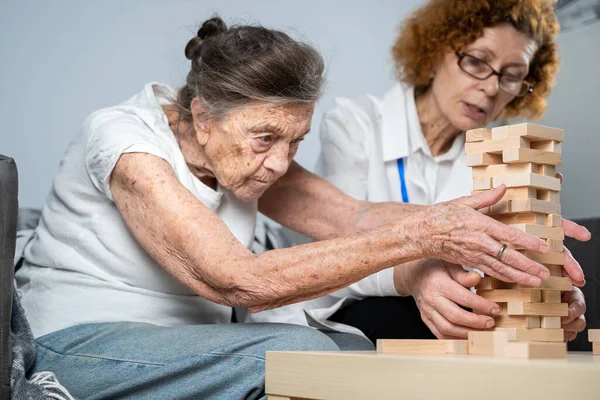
column 209, row 28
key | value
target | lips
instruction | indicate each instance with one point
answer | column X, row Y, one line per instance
column 474, row 111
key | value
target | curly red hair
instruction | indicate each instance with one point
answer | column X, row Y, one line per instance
column 450, row 25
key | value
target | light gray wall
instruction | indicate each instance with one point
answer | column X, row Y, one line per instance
column 63, row 59
column 574, row 106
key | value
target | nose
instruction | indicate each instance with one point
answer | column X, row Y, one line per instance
column 491, row 85
column 277, row 160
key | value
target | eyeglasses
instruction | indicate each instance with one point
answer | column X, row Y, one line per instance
column 481, row 70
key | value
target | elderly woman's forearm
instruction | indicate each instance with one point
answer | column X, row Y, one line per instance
column 285, row 276
column 372, row 215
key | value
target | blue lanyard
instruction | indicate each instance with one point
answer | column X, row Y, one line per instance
column 402, row 182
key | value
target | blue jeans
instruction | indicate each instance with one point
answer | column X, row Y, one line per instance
column 128, row 360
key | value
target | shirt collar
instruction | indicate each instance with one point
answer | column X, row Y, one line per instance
column 394, row 126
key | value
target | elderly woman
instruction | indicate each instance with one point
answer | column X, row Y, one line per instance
column 461, row 65
column 142, row 249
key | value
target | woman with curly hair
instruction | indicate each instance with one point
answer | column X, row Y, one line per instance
column 461, row 64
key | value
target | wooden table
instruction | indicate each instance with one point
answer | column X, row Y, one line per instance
column 368, row 375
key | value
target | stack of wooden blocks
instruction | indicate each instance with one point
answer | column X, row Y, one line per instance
column 524, row 158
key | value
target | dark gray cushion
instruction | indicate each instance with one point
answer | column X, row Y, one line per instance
column 588, row 255
column 8, row 230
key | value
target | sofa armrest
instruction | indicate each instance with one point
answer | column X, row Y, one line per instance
column 8, row 230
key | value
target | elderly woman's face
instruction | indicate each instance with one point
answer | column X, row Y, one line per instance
column 249, row 149
column 470, row 103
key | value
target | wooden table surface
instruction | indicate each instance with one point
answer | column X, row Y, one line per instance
column 368, row 375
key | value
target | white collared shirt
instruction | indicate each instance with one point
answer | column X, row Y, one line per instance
column 361, row 142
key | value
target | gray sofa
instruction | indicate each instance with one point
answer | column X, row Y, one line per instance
column 8, row 228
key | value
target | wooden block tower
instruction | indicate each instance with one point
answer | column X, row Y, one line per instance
column 524, row 158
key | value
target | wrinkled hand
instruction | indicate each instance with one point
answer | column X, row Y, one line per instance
column 454, row 231
column 437, row 286
column 575, row 321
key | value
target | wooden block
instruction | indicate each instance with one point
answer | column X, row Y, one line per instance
column 555, row 270
column 541, row 309
column 548, row 145
column 534, row 205
column 522, row 218
column 518, row 321
column 488, row 283
column 547, row 170
column 504, row 170
column 596, row 348
column 551, row 296
column 480, row 159
column 554, row 220
column 507, row 321
column 501, row 207
column 500, row 132
column 560, row 283
column 535, row 350
column 549, row 195
column 551, row 322
column 531, row 180
column 497, row 146
column 523, row 155
column 536, row 133
column 512, row 295
column 555, row 258
column 519, row 193
column 555, row 245
column 533, row 335
column 421, row 346
column 483, row 183
column 487, row 343
column 594, row 335
column 478, row 135
column 541, row 231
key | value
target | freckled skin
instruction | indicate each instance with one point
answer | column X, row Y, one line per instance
column 233, row 150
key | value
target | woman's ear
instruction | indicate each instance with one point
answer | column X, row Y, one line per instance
column 201, row 126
